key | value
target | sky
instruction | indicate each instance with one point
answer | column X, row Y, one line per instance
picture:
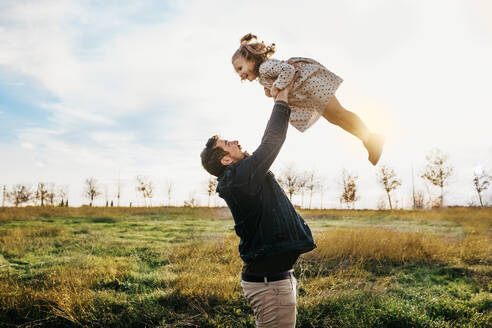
column 116, row 89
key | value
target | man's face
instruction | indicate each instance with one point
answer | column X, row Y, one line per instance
column 235, row 151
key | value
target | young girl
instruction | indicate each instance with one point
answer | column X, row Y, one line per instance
column 312, row 95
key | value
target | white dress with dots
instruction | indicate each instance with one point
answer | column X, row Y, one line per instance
column 311, row 91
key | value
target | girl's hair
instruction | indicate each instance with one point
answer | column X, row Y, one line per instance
column 258, row 52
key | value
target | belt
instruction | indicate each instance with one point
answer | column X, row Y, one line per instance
column 251, row 277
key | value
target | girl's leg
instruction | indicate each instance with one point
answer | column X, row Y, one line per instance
column 350, row 122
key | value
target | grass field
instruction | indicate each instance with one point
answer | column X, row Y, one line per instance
column 179, row 267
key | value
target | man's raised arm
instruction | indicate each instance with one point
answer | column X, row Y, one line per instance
column 263, row 157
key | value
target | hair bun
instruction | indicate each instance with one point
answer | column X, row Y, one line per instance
column 247, row 38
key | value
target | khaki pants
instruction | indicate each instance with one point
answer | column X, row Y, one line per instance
column 273, row 303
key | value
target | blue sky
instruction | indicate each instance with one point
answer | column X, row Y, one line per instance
column 115, row 88
column 20, row 98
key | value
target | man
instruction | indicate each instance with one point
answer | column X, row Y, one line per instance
column 272, row 234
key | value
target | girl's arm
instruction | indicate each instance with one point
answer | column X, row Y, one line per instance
column 277, row 70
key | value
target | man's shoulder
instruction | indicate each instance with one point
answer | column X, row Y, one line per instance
column 228, row 178
column 236, row 178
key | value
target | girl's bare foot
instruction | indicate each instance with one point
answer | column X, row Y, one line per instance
column 374, row 146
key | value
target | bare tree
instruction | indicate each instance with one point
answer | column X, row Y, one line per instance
column 349, row 194
column 290, row 181
column 91, row 190
column 41, row 193
column 169, row 190
column 437, row 170
column 20, row 194
column 118, row 190
column 387, row 178
column 429, row 201
column 211, row 186
column 51, row 196
column 141, row 187
column 313, row 183
column 414, row 198
column 4, row 195
column 303, row 182
column 106, row 194
column 62, row 193
column 150, row 191
column 322, row 187
column 419, row 199
column 146, row 188
column 481, row 182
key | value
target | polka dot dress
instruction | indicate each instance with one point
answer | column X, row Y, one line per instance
column 310, row 93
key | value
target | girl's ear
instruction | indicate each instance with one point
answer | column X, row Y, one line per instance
column 226, row 160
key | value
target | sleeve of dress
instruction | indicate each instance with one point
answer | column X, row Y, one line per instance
column 279, row 71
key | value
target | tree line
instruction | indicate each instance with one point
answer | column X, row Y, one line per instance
column 44, row 194
column 48, row 194
column 437, row 172
column 304, row 184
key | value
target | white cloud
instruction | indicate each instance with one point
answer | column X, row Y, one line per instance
column 27, row 145
column 411, row 71
column 64, row 115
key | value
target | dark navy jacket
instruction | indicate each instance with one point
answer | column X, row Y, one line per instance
column 264, row 218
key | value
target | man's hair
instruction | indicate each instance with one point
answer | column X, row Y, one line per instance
column 211, row 157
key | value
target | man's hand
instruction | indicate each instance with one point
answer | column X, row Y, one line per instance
column 274, row 91
column 267, row 92
column 283, row 94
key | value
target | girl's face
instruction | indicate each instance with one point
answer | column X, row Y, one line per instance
column 244, row 68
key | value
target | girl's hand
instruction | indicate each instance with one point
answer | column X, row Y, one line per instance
column 274, row 91
column 267, row 92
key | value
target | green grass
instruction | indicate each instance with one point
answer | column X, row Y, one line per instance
column 178, row 267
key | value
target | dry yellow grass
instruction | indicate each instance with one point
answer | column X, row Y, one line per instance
column 17, row 241
column 211, row 268
column 208, row 269
column 475, row 220
column 399, row 247
column 65, row 289
column 344, row 263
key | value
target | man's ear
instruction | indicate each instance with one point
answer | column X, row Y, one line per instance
column 226, row 160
